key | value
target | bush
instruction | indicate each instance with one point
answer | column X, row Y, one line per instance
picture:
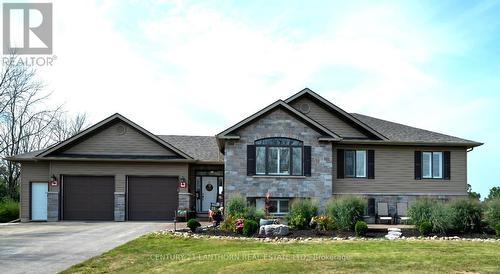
column 9, row 210
column 229, row 224
column 193, row 224
column 301, row 213
column 250, row 227
column 425, row 228
column 252, row 213
column 346, row 211
column 492, row 212
column 429, row 210
column 360, row 228
column 236, row 206
column 321, row 222
column 497, row 229
column 466, row 215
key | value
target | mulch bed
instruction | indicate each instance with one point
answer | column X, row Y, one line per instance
column 311, row 233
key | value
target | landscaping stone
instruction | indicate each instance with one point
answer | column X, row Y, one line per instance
column 274, row 230
column 393, row 233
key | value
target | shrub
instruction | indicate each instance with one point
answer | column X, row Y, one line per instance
column 466, row 215
column 301, row 212
column 492, row 212
column 250, row 227
column 229, row 224
column 497, row 229
column 253, row 214
column 429, row 210
column 425, row 228
column 193, row 224
column 321, row 222
column 346, row 211
column 9, row 210
column 236, row 206
column 360, row 228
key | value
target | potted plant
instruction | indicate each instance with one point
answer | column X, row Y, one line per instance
column 216, row 215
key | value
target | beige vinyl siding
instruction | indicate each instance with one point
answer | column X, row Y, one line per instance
column 42, row 171
column 110, row 142
column 119, row 169
column 328, row 119
column 31, row 172
column 395, row 173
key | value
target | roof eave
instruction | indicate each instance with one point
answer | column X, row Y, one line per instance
column 416, row 143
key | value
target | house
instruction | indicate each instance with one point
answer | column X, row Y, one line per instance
column 302, row 147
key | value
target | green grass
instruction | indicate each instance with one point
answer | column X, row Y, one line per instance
column 156, row 253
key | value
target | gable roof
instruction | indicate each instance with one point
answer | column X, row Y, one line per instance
column 203, row 148
column 330, row 135
column 103, row 123
column 338, row 110
column 402, row 133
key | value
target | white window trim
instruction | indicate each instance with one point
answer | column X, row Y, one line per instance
column 278, row 206
column 356, row 164
column 431, row 165
column 278, row 171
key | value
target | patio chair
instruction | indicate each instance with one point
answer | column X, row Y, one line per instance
column 402, row 212
column 383, row 213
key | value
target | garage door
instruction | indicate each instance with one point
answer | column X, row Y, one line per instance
column 88, row 198
column 152, row 198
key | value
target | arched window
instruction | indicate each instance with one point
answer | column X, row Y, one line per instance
column 279, row 156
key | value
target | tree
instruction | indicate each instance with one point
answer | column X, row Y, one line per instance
column 472, row 194
column 27, row 124
column 494, row 193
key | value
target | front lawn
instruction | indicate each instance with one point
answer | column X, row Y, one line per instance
column 168, row 253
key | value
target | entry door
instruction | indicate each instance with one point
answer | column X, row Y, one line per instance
column 39, row 201
column 209, row 192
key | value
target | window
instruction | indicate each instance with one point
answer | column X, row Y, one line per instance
column 355, row 163
column 432, row 165
column 278, row 206
column 278, row 156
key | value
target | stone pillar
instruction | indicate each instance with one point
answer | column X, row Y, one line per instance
column 185, row 200
column 119, row 206
column 52, row 206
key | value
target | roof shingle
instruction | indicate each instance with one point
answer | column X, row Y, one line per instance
column 203, row 148
column 402, row 133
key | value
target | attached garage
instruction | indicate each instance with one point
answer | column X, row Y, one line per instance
column 88, row 198
column 152, row 198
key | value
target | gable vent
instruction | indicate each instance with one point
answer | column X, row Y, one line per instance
column 120, row 130
column 305, row 108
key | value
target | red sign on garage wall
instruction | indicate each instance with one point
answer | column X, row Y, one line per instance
column 183, row 183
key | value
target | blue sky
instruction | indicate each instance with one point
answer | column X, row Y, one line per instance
column 188, row 67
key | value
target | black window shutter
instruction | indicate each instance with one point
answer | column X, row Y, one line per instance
column 340, row 163
column 371, row 164
column 307, row 160
column 250, row 160
column 418, row 165
column 447, row 165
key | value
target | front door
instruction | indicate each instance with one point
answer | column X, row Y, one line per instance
column 208, row 192
column 39, row 201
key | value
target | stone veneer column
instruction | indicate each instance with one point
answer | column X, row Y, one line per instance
column 184, row 200
column 52, row 206
column 119, row 206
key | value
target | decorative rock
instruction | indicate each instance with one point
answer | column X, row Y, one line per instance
column 274, row 230
column 393, row 233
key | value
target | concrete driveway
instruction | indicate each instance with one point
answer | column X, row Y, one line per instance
column 52, row 247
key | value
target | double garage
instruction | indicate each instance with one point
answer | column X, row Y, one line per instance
column 147, row 198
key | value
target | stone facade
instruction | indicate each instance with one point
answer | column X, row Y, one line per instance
column 119, row 206
column 278, row 123
column 53, row 206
